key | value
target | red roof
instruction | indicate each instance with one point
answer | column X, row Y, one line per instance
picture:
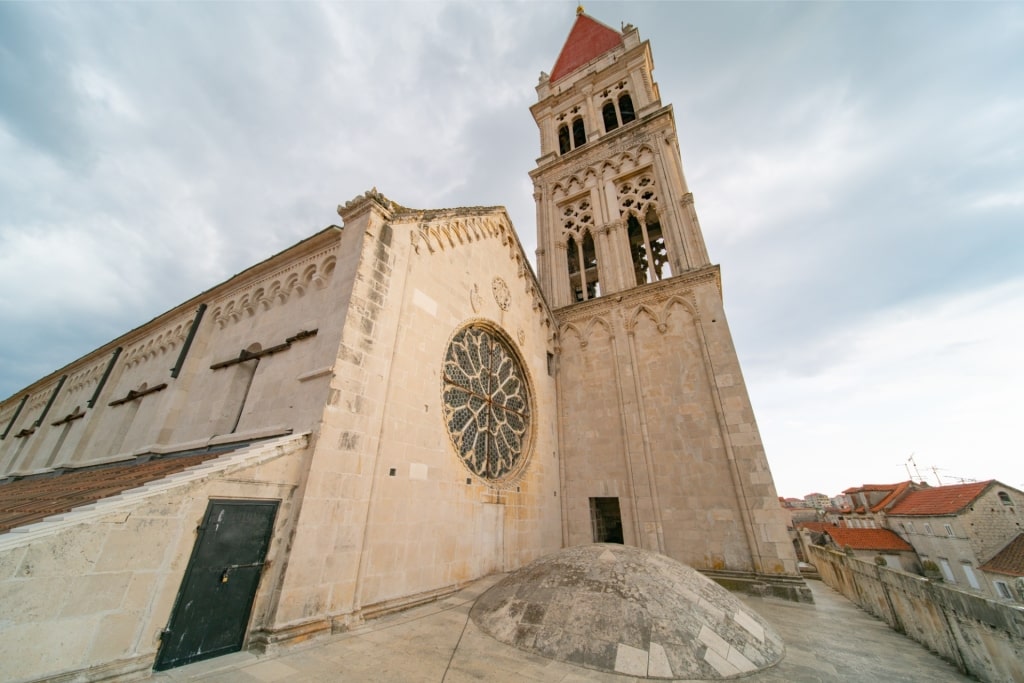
column 30, row 500
column 587, row 40
column 1009, row 560
column 940, row 500
column 867, row 539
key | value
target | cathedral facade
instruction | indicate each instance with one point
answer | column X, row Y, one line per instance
column 394, row 407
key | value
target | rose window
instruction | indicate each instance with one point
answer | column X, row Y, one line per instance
column 486, row 403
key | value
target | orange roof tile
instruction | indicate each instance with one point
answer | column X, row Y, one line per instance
column 29, row 500
column 893, row 495
column 867, row 539
column 587, row 40
column 940, row 500
column 1009, row 560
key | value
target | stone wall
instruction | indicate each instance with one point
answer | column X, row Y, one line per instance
column 655, row 413
column 142, row 393
column 85, row 595
column 390, row 515
column 983, row 637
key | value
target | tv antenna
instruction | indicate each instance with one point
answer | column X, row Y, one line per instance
column 910, row 461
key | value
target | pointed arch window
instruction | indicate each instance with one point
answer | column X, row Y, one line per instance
column 581, row 251
column 647, row 248
column 572, row 257
column 590, row 275
column 581, row 259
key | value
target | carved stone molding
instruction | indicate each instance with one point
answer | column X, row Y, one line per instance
column 501, row 293
column 159, row 343
column 276, row 289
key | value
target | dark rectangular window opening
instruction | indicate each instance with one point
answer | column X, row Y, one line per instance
column 606, row 520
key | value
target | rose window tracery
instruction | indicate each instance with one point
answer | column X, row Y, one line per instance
column 486, row 403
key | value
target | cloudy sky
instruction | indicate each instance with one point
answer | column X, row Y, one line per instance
column 858, row 170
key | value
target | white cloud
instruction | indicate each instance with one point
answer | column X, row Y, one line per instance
column 938, row 379
column 849, row 160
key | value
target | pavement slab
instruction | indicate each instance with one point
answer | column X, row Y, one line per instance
column 437, row 644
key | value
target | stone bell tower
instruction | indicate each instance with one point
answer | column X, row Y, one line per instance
column 657, row 439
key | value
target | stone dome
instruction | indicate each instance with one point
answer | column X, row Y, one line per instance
column 625, row 610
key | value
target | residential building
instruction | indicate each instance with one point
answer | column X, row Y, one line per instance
column 1006, row 570
column 960, row 528
column 818, row 501
column 878, row 545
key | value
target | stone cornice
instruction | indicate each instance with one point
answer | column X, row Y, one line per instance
column 604, row 148
column 649, row 294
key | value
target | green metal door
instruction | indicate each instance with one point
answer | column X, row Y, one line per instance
column 211, row 613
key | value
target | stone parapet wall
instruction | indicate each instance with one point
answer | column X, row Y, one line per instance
column 983, row 637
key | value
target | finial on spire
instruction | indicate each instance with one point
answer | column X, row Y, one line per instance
column 579, row 9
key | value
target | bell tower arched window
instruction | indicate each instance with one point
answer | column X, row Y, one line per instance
column 581, row 251
column 611, row 119
column 579, row 132
column 590, row 274
column 626, row 108
column 648, row 251
column 564, row 145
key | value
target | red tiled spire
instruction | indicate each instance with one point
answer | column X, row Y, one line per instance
column 587, row 40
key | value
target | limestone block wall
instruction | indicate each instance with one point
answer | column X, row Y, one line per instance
column 655, row 412
column 388, row 516
column 772, row 548
column 295, row 305
column 153, row 406
column 990, row 523
column 982, row 637
column 87, row 594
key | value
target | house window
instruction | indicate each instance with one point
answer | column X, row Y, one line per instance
column 1004, row 498
column 928, row 529
column 949, row 530
column 1003, row 590
column 969, row 573
column 947, row 571
column 910, row 528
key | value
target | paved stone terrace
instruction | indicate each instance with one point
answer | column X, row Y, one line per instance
column 831, row 640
